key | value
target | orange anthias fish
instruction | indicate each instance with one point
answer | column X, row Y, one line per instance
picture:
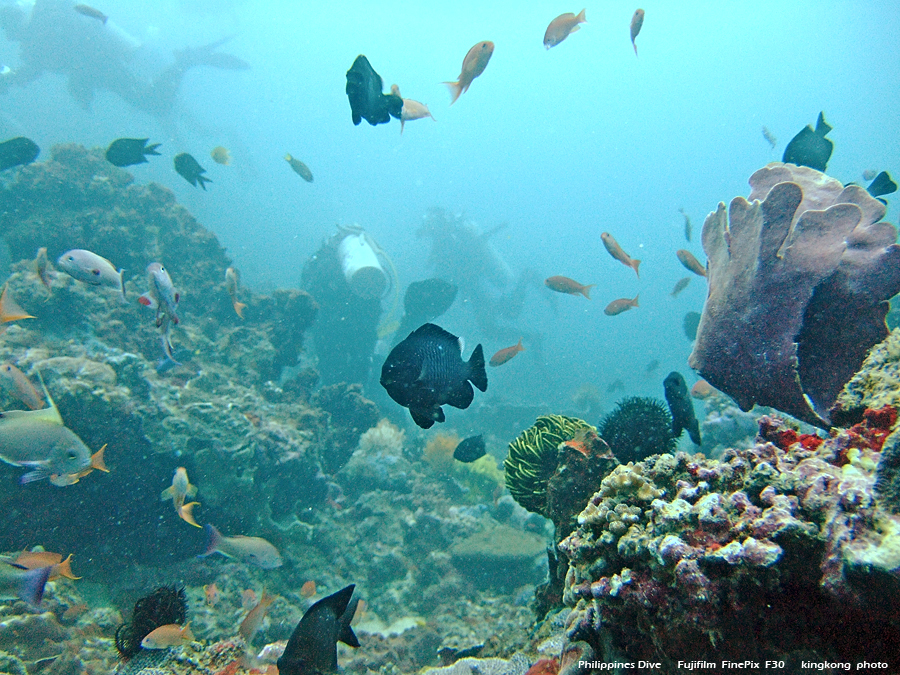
column 308, row 589
column 180, row 490
column 680, row 286
column 233, row 285
column 567, row 285
column 170, row 635
column 504, row 355
column 33, row 560
column 702, row 389
column 612, row 246
column 561, row 27
column 473, row 66
column 251, row 623
column 636, row 22
column 621, row 305
column 690, row 262
column 211, row 594
column 9, row 309
column 17, row 383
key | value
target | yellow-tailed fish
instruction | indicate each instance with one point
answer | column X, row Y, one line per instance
column 9, row 309
column 180, row 490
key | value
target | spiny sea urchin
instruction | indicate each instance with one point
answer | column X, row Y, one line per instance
column 638, row 427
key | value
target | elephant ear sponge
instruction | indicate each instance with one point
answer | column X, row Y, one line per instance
column 533, row 457
column 637, row 428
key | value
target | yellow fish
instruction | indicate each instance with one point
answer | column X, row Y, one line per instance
column 180, row 490
column 221, row 155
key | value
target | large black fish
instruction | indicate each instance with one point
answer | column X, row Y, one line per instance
column 470, row 449
column 810, row 148
column 128, row 151
column 191, row 170
column 681, row 407
column 16, row 151
column 426, row 370
column 367, row 102
column 312, row 648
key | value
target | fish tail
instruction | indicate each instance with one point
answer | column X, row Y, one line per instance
column 239, row 308
column 9, row 310
column 634, row 265
column 64, row 569
column 580, row 18
column 122, row 284
column 634, row 303
column 31, row 585
column 455, row 90
column 586, row 290
column 634, row 44
column 97, row 461
column 477, row 373
column 213, row 540
column 186, row 513
column 519, row 346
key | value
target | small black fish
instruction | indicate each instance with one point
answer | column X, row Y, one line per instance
column 651, row 367
column 470, row 449
column 299, row 168
column 16, row 151
column 367, row 102
column 882, row 185
column 191, row 170
column 425, row 301
column 615, row 385
column 313, row 644
column 129, row 151
column 687, row 224
column 810, row 148
column 680, row 285
column 691, row 324
column 426, row 370
column 681, row 407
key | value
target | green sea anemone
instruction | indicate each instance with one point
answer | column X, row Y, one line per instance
column 532, row 459
column 637, row 428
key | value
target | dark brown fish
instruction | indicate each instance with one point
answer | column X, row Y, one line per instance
column 567, row 285
column 690, row 262
column 87, row 10
column 636, row 22
column 621, row 305
column 299, row 168
column 680, row 286
column 612, row 246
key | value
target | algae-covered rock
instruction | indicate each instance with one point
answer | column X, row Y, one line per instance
column 875, row 385
column 500, row 556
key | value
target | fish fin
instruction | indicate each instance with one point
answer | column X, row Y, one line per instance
column 455, row 90
column 97, row 460
column 191, row 490
column 151, row 149
column 346, row 634
column 634, row 303
column 634, row 44
column 822, row 127
column 31, row 585
column 213, row 540
column 186, row 513
column 147, row 301
column 9, row 309
column 574, row 29
column 477, row 373
column 402, row 122
column 121, row 273
column 64, row 568
column 424, row 421
column 462, row 396
column 239, row 308
column 882, row 185
column 38, row 473
column 635, row 264
column 519, row 346
column 586, row 290
column 581, row 18
column 167, row 494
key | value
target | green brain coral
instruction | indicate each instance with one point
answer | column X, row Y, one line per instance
column 532, row 459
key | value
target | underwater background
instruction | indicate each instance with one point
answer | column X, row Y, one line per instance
column 510, row 185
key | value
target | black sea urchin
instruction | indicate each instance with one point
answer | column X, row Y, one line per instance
column 165, row 605
column 637, row 428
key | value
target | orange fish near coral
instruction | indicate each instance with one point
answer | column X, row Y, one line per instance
column 251, row 623
column 212, row 594
column 33, row 560
column 636, row 22
column 473, row 66
column 690, row 262
column 613, row 248
column 504, row 355
column 702, row 389
column 170, row 635
column 233, row 286
column 567, row 285
column 620, row 305
column 180, row 490
column 9, row 309
column 561, row 27
column 308, row 589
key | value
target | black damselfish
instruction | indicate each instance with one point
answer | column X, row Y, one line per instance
column 190, row 169
column 426, row 370
column 313, row 644
column 128, row 151
column 470, row 449
column 681, row 407
column 17, row 151
column 810, row 147
column 367, row 102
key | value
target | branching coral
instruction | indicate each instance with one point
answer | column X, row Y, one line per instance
column 786, row 269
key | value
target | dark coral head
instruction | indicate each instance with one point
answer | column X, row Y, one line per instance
column 165, row 605
column 637, row 428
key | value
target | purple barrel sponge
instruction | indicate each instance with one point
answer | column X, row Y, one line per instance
column 799, row 278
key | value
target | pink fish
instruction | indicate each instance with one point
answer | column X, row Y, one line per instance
column 473, row 65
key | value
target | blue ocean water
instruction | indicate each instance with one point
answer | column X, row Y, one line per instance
column 560, row 145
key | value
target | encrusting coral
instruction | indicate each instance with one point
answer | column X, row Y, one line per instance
column 786, row 270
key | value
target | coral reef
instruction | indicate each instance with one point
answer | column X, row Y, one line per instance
column 637, row 428
column 824, row 242
column 772, row 552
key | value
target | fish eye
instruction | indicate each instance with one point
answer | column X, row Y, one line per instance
column 72, row 454
column 96, row 273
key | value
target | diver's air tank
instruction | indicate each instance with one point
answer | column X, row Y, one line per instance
column 361, row 266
